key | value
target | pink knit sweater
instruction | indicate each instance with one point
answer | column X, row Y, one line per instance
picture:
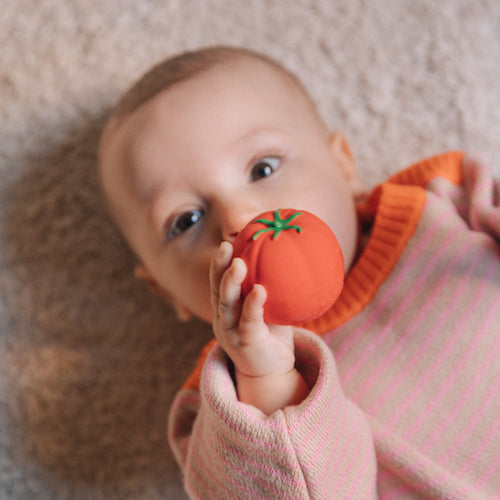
column 405, row 377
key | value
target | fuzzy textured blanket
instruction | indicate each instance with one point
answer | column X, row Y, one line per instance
column 89, row 359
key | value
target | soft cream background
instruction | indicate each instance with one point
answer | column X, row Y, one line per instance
column 89, row 360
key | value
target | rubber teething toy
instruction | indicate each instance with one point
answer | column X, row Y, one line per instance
column 298, row 260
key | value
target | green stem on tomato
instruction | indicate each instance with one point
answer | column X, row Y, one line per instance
column 277, row 225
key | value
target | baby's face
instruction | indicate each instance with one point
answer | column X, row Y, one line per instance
column 189, row 168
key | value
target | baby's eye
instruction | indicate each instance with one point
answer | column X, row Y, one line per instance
column 265, row 167
column 184, row 222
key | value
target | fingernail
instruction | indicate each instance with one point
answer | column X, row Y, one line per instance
column 226, row 247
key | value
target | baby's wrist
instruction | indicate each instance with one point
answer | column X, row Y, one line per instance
column 273, row 391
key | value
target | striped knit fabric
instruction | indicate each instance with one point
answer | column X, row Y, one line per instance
column 405, row 380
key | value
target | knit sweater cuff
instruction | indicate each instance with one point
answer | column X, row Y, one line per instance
column 277, row 449
column 314, row 361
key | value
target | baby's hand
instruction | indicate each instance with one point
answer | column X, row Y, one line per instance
column 263, row 355
column 255, row 348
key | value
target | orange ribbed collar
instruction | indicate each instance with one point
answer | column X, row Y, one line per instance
column 392, row 212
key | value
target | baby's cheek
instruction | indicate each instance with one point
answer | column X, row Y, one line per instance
column 187, row 275
column 199, row 296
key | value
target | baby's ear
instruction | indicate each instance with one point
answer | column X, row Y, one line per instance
column 345, row 159
column 141, row 272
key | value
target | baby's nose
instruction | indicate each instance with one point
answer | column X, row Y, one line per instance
column 231, row 230
column 235, row 220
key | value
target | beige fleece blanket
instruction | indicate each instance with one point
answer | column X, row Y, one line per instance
column 89, row 360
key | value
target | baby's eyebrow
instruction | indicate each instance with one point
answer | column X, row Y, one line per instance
column 153, row 205
column 142, row 156
column 142, row 183
column 255, row 133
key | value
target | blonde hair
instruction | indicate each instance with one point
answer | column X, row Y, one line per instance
column 186, row 65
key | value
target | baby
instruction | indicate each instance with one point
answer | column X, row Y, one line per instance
column 398, row 396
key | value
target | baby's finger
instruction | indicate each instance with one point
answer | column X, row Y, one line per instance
column 253, row 308
column 229, row 306
column 217, row 267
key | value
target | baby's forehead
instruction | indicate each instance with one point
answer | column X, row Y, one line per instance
column 218, row 83
column 250, row 64
column 225, row 73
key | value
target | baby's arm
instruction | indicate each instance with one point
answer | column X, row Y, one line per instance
column 263, row 355
column 229, row 450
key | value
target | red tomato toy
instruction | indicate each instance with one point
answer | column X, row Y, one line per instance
column 298, row 260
